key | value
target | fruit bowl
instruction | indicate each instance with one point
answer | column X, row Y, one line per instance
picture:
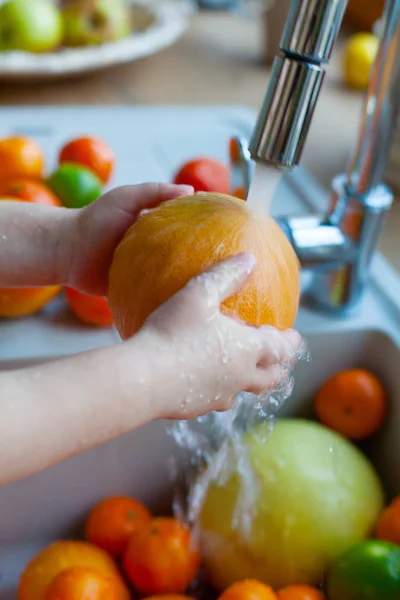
column 156, row 25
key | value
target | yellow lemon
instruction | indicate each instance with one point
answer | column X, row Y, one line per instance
column 359, row 57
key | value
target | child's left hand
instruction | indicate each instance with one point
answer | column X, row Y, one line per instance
column 95, row 231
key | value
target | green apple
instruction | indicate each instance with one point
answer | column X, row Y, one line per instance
column 30, row 26
column 314, row 496
column 94, row 22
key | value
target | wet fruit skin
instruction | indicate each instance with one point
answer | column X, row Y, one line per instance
column 81, row 583
column 205, row 175
column 161, row 557
column 354, row 403
column 155, row 260
column 61, row 555
column 90, row 152
column 335, row 500
column 20, row 157
column 368, row 571
column 91, row 310
column 112, row 521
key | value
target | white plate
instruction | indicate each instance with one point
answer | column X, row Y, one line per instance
column 157, row 26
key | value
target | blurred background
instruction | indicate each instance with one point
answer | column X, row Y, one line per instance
column 184, row 52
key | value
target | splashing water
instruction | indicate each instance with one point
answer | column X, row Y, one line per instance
column 263, row 186
column 213, row 451
column 213, row 445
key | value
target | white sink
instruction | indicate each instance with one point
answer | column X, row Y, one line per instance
column 53, row 503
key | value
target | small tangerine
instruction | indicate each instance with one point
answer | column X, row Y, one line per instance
column 353, row 403
column 248, row 589
column 300, row 592
column 91, row 152
column 161, row 557
column 112, row 521
column 81, row 583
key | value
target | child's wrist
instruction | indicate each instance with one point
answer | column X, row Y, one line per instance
column 139, row 361
column 68, row 240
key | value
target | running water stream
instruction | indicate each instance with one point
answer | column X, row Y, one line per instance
column 262, row 190
column 212, row 445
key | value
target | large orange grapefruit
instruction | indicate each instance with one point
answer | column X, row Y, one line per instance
column 62, row 555
column 179, row 239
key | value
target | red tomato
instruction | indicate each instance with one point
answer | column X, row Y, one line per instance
column 205, row 175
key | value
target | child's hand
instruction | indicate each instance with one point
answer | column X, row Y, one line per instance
column 205, row 357
column 98, row 229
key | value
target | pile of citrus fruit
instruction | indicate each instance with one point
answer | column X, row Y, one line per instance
column 84, row 166
column 128, row 552
column 354, row 403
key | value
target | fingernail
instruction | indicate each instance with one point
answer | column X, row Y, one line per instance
column 294, row 338
column 186, row 189
column 246, row 260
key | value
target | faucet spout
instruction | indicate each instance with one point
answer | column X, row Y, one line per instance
column 296, row 79
column 339, row 246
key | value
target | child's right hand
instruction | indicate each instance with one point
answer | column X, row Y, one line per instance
column 205, row 357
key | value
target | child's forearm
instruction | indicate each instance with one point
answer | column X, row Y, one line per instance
column 53, row 411
column 34, row 244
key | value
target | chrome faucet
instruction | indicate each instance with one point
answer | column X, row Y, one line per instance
column 338, row 246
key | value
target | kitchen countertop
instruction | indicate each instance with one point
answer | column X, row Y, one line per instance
column 219, row 61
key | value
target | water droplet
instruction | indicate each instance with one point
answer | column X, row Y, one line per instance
column 3, row 237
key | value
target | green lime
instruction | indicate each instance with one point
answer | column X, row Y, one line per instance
column 368, row 571
column 75, row 185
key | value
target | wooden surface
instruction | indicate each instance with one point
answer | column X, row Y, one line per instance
column 219, row 61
